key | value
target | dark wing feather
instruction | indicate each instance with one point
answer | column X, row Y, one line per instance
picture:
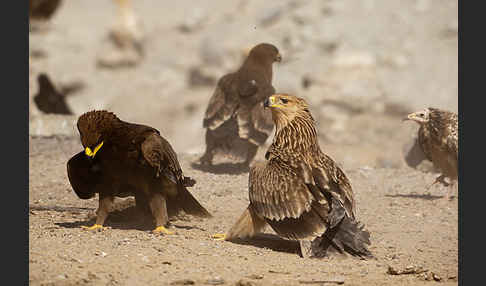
column 281, row 196
column 159, row 154
column 424, row 142
column 330, row 178
column 222, row 103
column 83, row 176
column 262, row 119
column 254, row 122
column 247, row 88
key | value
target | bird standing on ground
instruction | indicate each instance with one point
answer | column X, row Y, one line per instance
column 126, row 39
column 235, row 120
column 123, row 157
column 300, row 191
column 42, row 10
column 438, row 139
column 50, row 99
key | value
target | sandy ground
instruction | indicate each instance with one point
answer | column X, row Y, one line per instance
column 408, row 227
column 361, row 65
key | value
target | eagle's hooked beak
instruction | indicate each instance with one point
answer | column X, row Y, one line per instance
column 409, row 117
column 269, row 102
column 90, row 153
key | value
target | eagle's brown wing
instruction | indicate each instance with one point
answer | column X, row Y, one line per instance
column 291, row 207
column 262, row 119
column 424, row 141
column 254, row 122
column 329, row 177
column 159, row 154
column 222, row 103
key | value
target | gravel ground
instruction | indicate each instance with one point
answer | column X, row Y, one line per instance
column 361, row 65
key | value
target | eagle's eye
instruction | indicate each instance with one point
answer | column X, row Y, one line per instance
column 284, row 101
column 421, row 114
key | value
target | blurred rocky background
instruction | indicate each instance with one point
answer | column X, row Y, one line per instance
column 362, row 66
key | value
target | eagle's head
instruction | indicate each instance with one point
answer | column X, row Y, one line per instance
column 265, row 53
column 94, row 128
column 421, row 117
column 285, row 108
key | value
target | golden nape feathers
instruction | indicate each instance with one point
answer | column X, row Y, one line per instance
column 300, row 191
column 235, row 121
column 438, row 139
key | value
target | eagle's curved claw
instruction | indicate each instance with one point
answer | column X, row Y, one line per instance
column 161, row 229
column 94, row 227
column 219, row 236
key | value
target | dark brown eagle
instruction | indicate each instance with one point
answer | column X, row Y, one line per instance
column 122, row 158
column 438, row 139
column 300, row 191
column 43, row 9
column 235, row 120
column 52, row 99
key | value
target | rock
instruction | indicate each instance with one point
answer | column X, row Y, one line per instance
column 395, row 60
column 422, row 5
column 270, row 16
column 116, row 58
column 211, row 51
column 352, row 59
column 411, row 269
column 243, row 282
column 197, row 78
column 337, row 280
column 215, row 281
column 255, row 276
column 183, row 282
column 193, row 22
column 53, row 124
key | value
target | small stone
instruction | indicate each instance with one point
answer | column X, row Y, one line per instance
column 255, row 276
column 270, row 16
column 436, row 277
column 215, row 281
column 183, row 282
column 243, row 282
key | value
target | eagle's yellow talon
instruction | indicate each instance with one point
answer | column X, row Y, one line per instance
column 93, row 227
column 161, row 229
column 219, row 236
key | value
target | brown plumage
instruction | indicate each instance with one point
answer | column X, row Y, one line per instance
column 438, row 139
column 52, row 99
column 122, row 159
column 300, row 191
column 42, row 9
column 235, row 120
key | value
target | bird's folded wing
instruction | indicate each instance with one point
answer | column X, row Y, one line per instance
column 330, row 179
column 222, row 104
column 277, row 193
column 160, row 155
column 292, row 208
column 262, row 119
